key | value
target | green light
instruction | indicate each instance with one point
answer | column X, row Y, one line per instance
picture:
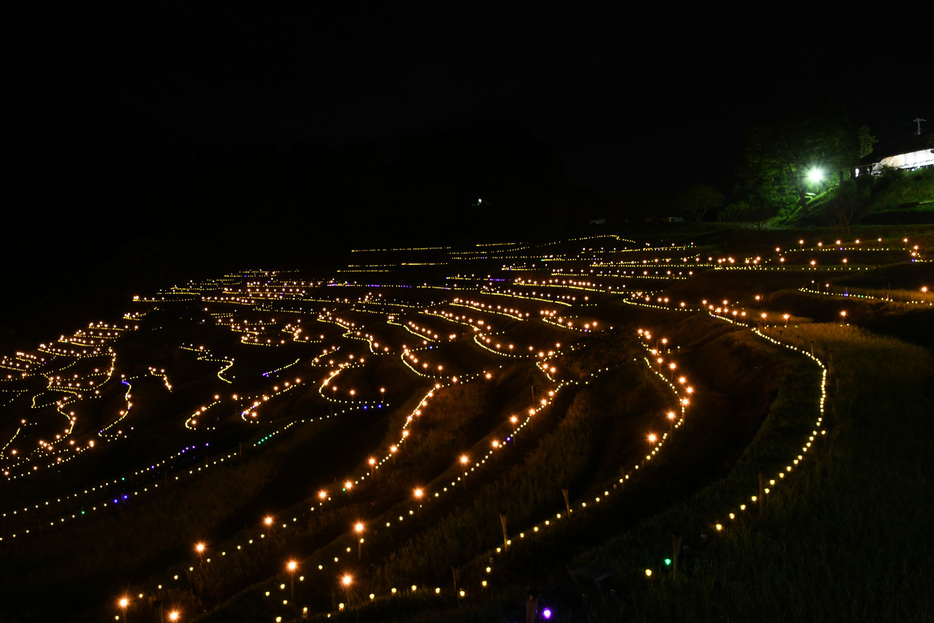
column 668, row 562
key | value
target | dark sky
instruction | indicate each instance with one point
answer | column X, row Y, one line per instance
column 103, row 107
column 618, row 94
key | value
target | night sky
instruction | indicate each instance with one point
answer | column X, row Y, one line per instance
column 618, row 95
column 135, row 141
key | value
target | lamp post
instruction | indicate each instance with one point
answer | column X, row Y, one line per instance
column 123, row 603
column 814, row 178
column 464, row 461
column 358, row 529
column 291, row 566
column 346, row 581
column 419, row 493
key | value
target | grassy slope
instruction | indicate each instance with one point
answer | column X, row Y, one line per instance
column 851, row 539
column 848, row 540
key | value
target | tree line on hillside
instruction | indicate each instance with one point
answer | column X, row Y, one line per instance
column 122, row 223
column 801, row 168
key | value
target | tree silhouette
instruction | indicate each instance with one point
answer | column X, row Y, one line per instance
column 696, row 200
column 779, row 155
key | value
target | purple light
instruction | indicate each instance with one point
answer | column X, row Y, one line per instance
column 546, row 613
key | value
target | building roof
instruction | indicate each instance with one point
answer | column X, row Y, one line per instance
column 900, row 141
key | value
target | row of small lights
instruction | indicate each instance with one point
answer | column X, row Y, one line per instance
column 375, row 464
column 346, row 579
column 97, row 490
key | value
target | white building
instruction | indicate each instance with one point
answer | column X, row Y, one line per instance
column 907, row 152
column 909, row 160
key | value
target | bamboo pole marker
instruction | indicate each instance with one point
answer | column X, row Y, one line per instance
column 531, row 608
column 676, row 549
column 761, row 492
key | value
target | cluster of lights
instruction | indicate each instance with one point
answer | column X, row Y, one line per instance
column 269, row 286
